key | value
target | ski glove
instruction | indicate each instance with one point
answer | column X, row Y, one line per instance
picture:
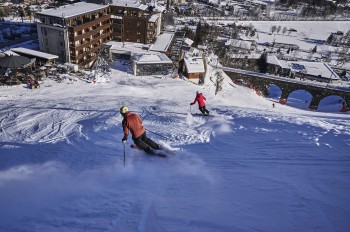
column 191, row 103
column 124, row 139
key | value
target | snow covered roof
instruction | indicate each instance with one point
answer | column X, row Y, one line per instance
column 272, row 59
column 159, row 8
column 284, row 64
column 154, row 18
column 152, row 58
column 239, row 43
column 194, row 52
column 72, row 10
column 128, row 3
column 188, row 41
column 194, row 65
column 10, row 53
column 127, row 47
column 34, row 53
column 163, row 42
column 314, row 69
column 202, row 47
column 116, row 17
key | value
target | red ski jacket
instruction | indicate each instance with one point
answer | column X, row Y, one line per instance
column 133, row 123
column 200, row 99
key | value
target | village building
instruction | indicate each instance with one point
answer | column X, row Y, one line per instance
column 285, row 46
column 304, row 70
column 151, row 64
column 186, row 46
column 133, row 21
column 163, row 43
column 41, row 58
column 176, row 46
column 15, row 69
column 314, row 71
column 193, row 66
column 241, row 45
column 124, row 51
column 75, row 33
column 277, row 67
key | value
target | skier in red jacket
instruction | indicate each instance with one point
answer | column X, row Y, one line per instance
column 133, row 123
column 201, row 103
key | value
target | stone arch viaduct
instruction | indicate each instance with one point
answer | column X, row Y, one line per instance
column 261, row 82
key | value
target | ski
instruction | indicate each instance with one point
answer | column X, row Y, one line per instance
column 156, row 152
column 205, row 115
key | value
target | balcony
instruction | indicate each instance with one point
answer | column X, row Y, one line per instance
column 90, row 33
column 91, row 23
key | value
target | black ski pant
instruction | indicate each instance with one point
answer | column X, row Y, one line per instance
column 146, row 143
column 203, row 110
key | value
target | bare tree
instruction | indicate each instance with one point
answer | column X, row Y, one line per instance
column 279, row 29
column 284, row 30
column 273, row 29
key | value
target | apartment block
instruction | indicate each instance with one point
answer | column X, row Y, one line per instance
column 75, row 33
column 133, row 21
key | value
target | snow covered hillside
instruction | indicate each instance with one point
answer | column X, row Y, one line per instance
column 250, row 168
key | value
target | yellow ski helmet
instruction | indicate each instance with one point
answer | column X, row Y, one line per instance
column 123, row 109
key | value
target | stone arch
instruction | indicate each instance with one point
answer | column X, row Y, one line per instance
column 331, row 103
column 274, row 91
column 300, row 98
column 260, row 84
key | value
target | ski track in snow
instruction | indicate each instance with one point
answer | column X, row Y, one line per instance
column 62, row 163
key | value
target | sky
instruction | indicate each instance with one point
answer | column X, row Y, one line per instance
column 251, row 167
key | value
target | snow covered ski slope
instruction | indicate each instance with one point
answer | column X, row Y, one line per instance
column 253, row 168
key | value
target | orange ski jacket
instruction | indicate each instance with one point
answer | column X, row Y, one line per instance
column 132, row 122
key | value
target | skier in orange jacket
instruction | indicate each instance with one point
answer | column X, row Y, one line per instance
column 133, row 123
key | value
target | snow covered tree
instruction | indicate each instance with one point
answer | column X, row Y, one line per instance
column 219, row 82
column 284, row 30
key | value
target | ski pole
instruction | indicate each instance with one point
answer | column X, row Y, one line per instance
column 190, row 109
column 158, row 134
column 124, row 153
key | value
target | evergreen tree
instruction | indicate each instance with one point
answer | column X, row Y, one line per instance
column 330, row 39
column 262, row 63
column 189, row 33
column 198, row 35
column 314, row 50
